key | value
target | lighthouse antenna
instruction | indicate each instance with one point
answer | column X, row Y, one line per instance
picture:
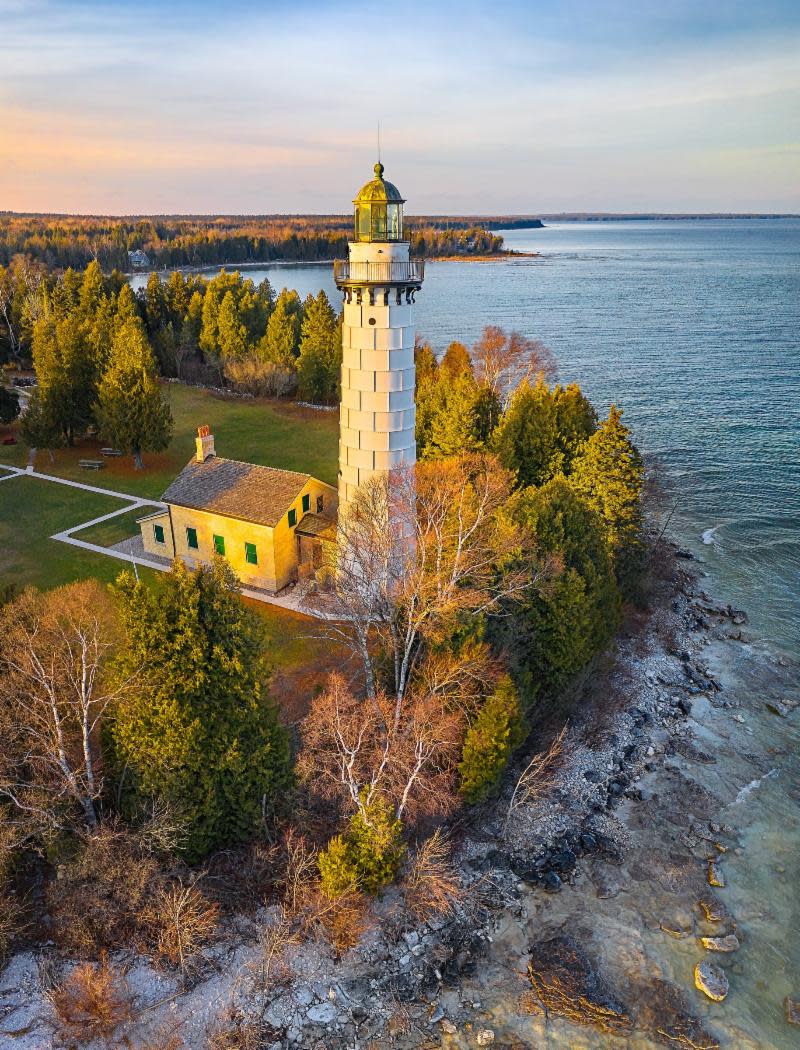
column 379, row 142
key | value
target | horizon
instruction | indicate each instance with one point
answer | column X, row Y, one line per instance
column 131, row 109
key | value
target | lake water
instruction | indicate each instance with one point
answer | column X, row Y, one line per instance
column 694, row 328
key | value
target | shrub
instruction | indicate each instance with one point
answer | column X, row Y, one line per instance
column 92, row 1002
column 337, row 868
column 498, row 728
column 251, row 375
column 186, row 920
column 99, row 902
column 368, row 856
column 431, row 885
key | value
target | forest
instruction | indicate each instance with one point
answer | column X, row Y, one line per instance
column 61, row 241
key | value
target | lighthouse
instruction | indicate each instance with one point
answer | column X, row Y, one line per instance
column 379, row 281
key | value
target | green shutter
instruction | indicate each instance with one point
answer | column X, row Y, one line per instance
column 219, row 544
column 250, row 555
column 158, row 532
column 306, row 503
column 292, row 517
column 191, row 538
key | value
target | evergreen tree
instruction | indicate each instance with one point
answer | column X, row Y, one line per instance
column 280, row 343
column 498, row 728
column 199, row 729
column 66, row 374
column 576, row 421
column 92, row 291
column 37, row 428
column 156, row 306
column 368, row 856
column 451, row 411
column 526, row 440
column 9, row 405
column 231, row 333
column 131, row 410
column 425, row 363
column 608, row 474
column 127, row 306
column 320, row 359
column 553, row 633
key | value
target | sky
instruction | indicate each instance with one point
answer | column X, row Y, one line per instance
column 504, row 107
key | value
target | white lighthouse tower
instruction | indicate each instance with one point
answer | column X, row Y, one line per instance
column 379, row 282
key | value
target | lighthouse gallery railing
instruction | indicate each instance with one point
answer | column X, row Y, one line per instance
column 347, row 272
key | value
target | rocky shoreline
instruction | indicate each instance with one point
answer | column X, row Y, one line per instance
column 598, row 908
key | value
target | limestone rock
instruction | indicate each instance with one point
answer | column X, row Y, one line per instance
column 728, row 943
column 713, row 910
column 715, row 876
column 485, row 1037
column 711, row 980
column 792, row 1008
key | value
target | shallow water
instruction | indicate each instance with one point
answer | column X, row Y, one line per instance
column 694, row 328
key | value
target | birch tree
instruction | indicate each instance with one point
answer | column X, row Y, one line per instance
column 53, row 696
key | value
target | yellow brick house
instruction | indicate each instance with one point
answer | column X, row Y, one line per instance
column 269, row 524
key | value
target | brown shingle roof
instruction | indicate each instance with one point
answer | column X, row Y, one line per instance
column 236, row 490
column 317, row 526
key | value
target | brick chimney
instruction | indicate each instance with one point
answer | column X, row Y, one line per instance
column 205, row 444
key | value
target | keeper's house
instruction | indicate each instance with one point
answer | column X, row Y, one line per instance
column 269, row 524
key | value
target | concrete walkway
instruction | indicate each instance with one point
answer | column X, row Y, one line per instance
column 294, row 600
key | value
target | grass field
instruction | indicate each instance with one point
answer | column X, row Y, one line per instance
column 30, row 512
column 270, row 432
column 273, row 433
column 107, row 533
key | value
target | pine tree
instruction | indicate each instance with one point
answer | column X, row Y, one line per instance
column 231, row 333
column 66, row 374
column 576, row 421
column 554, row 632
column 526, row 440
column 127, row 306
column 498, row 728
column 92, row 290
column 131, row 411
column 608, row 474
column 156, row 306
column 199, row 730
column 368, row 856
column 319, row 363
column 280, row 343
column 425, row 363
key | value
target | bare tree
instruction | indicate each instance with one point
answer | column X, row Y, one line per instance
column 420, row 552
column 53, row 695
column 502, row 361
column 535, row 777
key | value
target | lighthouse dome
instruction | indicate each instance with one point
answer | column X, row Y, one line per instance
column 378, row 189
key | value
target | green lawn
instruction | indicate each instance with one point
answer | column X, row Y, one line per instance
column 273, row 433
column 107, row 533
column 30, row 512
column 270, row 432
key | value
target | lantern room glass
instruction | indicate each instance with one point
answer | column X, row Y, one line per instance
column 379, row 221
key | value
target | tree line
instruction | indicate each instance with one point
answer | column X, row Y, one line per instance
column 61, row 241
column 98, row 348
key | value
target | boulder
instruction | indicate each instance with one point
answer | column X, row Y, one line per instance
column 728, row 943
column 792, row 1010
column 715, row 876
column 485, row 1037
column 711, row 980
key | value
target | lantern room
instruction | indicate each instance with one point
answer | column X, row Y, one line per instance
column 378, row 210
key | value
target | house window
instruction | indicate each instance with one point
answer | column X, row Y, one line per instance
column 158, row 533
column 191, row 538
column 219, row 544
column 320, row 504
column 306, row 503
column 250, row 555
column 292, row 517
